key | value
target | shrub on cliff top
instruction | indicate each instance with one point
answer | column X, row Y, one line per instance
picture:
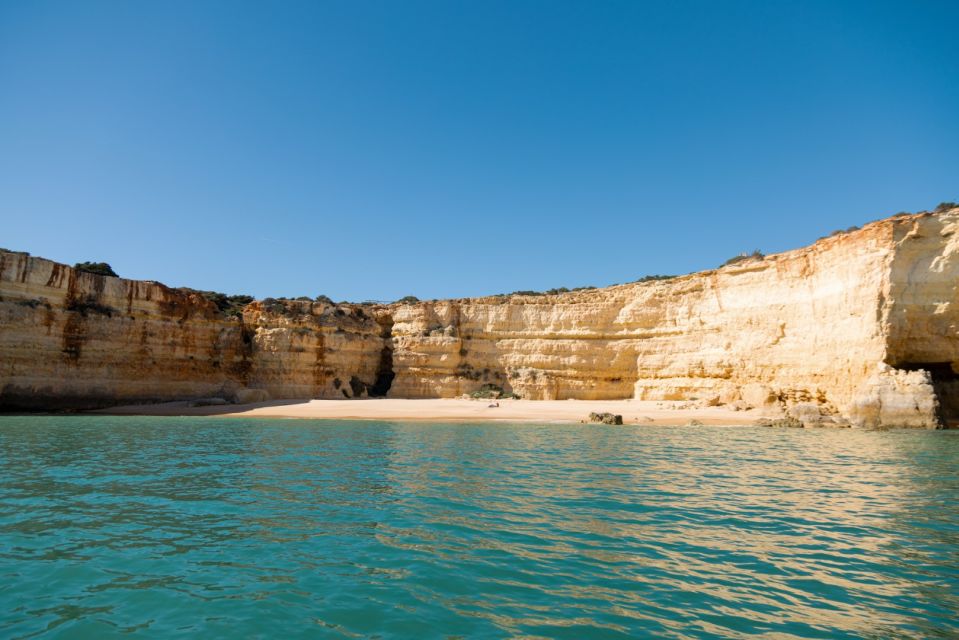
column 98, row 268
column 654, row 277
column 839, row 232
column 284, row 307
column 755, row 255
column 274, row 305
column 227, row 305
column 408, row 300
column 946, row 206
column 324, row 299
column 549, row 292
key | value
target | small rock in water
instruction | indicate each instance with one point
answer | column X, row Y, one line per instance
column 606, row 418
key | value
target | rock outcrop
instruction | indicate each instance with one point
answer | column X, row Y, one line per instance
column 858, row 329
column 75, row 339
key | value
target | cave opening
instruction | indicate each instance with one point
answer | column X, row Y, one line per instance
column 945, row 383
column 384, row 369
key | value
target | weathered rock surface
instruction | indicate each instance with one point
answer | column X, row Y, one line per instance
column 860, row 329
column 74, row 339
column 606, row 418
column 861, row 325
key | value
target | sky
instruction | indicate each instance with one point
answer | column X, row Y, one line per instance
column 373, row 150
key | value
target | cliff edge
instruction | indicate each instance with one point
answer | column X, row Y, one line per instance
column 858, row 329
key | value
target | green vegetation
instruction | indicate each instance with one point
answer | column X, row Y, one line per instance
column 408, row 300
column 559, row 290
column 493, row 392
column 742, row 257
column 946, row 206
column 274, row 305
column 839, row 232
column 548, row 292
column 98, row 268
column 230, row 306
column 324, row 299
column 654, row 277
column 287, row 307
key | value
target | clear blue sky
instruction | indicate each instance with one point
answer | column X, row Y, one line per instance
column 378, row 149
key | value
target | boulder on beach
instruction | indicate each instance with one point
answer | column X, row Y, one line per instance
column 606, row 418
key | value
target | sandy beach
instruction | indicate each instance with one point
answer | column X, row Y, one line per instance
column 457, row 409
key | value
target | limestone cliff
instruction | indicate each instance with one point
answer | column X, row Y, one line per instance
column 74, row 339
column 859, row 328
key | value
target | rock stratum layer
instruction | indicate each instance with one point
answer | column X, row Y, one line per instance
column 860, row 329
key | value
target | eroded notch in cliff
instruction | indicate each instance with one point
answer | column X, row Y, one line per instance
column 945, row 383
column 242, row 368
column 384, row 370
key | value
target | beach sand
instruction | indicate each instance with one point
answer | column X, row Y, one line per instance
column 457, row 409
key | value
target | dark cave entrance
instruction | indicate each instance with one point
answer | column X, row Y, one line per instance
column 384, row 370
column 945, row 382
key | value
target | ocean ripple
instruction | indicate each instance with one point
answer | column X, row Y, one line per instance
column 208, row 527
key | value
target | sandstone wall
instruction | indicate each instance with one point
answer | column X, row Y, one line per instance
column 799, row 323
column 74, row 339
column 859, row 328
column 842, row 332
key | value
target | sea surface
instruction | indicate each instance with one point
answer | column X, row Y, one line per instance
column 243, row 528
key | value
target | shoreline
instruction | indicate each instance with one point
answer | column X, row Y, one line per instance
column 641, row 412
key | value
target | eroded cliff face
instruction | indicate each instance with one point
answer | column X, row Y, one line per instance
column 74, row 339
column 861, row 328
column 799, row 327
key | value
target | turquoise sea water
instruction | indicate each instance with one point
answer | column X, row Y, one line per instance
column 221, row 528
